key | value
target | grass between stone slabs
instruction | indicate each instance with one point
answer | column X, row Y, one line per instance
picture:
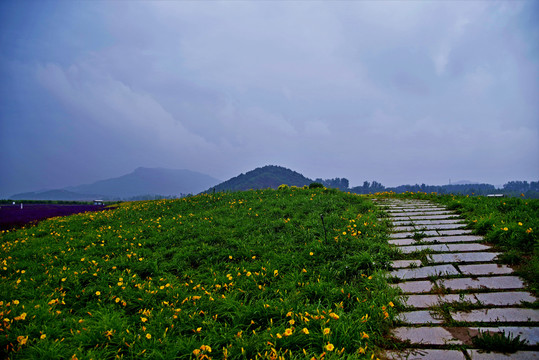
column 510, row 224
column 229, row 275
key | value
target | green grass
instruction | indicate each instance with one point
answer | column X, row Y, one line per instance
column 499, row 342
column 246, row 275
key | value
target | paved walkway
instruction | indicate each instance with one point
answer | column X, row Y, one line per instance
column 454, row 288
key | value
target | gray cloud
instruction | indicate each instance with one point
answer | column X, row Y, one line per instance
column 398, row 92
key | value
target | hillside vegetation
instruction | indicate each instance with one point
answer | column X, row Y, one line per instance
column 225, row 275
column 269, row 176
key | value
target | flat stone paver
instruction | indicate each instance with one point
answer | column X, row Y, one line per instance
column 426, row 217
column 497, row 315
column 505, row 298
column 452, row 239
column 424, row 272
column 529, row 334
column 421, row 213
column 424, row 354
column 397, row 264
column 419, row 317
column 493, row 283
column 485, row 269
column 427, row 300
column 425, row 335
column 401, row 242
column 427, row 222
column 454, row 232
column 420, row 228
column 444, row 247
column 432, row 247
column 414, row 287
column 464, row 257
column 519, row 355
column 405, row 235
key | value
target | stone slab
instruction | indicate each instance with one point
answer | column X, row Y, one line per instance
column 419, row 317
column 423, row 354
column 399, row 264
column 491, row 283
column 444, row 247
column 410, row 234
column 454, row 232
column 425, row 335
column 424, row 272
column 431, row 247
column 424, row 217
column 427, row 222
column 485, row 269
column 463, row 257
column 497, row 315
column 505, row 298
column 401, row 242
column 519, row 355
column 421, row 213
column 414, row 287
column 428, row 300
column 468, row 247
column 529, row 334
column 437, row 240
column 419, row 228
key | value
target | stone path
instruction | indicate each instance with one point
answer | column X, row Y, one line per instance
column 453, row 288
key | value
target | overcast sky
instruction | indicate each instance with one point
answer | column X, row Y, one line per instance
column 394, row 91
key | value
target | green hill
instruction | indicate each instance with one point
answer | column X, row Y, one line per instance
column 228, row 275
column 269, row 176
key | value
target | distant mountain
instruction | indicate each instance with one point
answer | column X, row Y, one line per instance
column 55, row 195
column 270, row 176
column 141, row 183
column 144, row 181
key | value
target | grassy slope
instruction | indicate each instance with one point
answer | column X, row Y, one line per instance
column 248, row 274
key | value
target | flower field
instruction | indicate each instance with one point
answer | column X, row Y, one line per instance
column 245, row 275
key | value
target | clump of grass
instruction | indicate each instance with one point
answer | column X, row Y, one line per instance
column 499, row 342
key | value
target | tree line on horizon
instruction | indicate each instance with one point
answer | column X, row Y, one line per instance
column 512, row 188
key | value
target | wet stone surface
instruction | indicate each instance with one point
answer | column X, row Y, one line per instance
column 495, row 282
column 497, row 315
column 485, row 269
column 464, row 257
column 424, row 272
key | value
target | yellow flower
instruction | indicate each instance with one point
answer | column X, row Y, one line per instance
column 391, row 304
column 205, row 348
column 305, row 331
column 291, row 322
column 196, row 352
column 148, row 336
column 288, row 332
column 98, row 293
column 334, row 316
column 311, row 253
column 330, row 347
column 275, row 272
column 519, row 223
column 248, row 273
column 327, row 331
column 364, row 335
column 15, row 302
column 43, row 336
column 279, row 336
column 22, row 340
column 143, row 319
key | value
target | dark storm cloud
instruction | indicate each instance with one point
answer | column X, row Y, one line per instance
column 398, row 92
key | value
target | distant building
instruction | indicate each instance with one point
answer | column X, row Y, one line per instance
column 99, row 202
